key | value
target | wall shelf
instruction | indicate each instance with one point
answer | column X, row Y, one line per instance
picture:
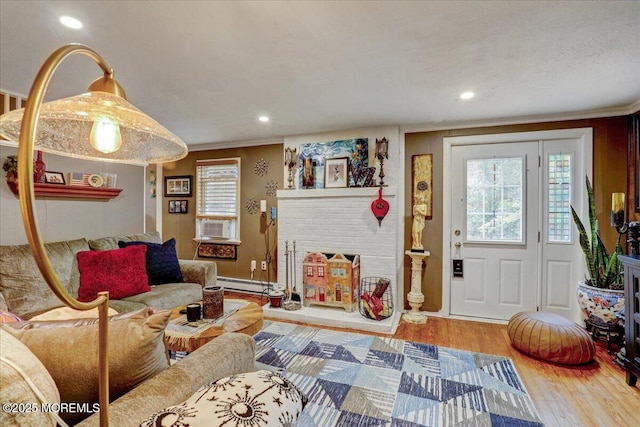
column 70, row 192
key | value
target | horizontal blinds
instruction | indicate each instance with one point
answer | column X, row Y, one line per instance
column 217, row 189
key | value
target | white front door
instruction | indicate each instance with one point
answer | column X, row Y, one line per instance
column 494, row 229
column 512, row 245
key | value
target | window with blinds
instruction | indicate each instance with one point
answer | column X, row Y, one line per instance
column 217, row 198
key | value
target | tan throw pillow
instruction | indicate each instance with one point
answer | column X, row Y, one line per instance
column 67, row 313
column 106, row 243
column 69, row 351
column 17, row 360
column 21, row 283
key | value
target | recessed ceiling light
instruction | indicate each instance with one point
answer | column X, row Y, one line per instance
column 467, row 95
column 263, row 119
column 70, row 22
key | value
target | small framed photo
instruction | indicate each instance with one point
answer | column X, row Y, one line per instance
column 178, row 186
column 336, row 172
column 179, row 206
column 54, row 178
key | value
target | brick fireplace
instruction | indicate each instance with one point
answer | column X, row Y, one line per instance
column 339, row 220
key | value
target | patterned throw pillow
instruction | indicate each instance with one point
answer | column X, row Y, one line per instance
column 162, row 261
column 122, row 272
column 261, row 398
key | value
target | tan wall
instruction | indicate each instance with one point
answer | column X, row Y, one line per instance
column 610, row 175
column 252, row 226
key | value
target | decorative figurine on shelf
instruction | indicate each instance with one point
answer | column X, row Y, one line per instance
column 419, row 212
column 308, row 179
column 290, row 160
column 382, row 152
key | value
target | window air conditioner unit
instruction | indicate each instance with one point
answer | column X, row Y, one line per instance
column 216, row 229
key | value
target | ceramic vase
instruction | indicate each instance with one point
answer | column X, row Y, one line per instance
column 601, row 306
column 38, row 168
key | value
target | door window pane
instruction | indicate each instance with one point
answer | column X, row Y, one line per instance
column 494, row 199
column 559, row 198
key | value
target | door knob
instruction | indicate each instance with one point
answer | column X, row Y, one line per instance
column 458, row 244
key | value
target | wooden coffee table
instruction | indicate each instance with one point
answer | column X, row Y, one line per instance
column 247, row 320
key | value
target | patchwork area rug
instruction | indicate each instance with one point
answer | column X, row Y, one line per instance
column 362, row 380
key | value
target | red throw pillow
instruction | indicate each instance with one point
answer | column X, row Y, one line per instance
column 122, row 272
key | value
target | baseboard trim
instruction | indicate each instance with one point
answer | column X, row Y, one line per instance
column 243, row 285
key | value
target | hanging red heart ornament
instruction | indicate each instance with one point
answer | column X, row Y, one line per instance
column 380, row 207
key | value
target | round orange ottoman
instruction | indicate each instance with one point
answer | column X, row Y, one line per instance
column 550, row 337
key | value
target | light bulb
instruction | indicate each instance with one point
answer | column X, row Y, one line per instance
column 105, row 136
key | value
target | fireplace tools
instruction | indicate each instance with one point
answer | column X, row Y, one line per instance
column 293, row 302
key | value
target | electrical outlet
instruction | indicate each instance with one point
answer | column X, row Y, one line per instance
column 263, row 265
column 253, row 265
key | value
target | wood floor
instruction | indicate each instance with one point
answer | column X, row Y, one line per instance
column 594, row 395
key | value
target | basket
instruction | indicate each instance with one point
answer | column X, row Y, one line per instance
column 375, row 298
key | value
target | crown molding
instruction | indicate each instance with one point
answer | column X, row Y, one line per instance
column 234, row 144
column 429, row 127
column 578, row 115
column 635, row 107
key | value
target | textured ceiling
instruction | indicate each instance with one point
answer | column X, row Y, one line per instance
column 207, row 69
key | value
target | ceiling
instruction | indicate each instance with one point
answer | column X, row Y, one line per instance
column 207, row 69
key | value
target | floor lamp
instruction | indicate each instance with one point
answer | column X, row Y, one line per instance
column 98, row 125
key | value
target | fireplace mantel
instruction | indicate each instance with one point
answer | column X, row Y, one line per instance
column 326, row 193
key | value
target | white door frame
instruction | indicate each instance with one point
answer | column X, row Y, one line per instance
column 584, row 134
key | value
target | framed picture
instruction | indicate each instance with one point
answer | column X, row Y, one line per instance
column 422, row 185
column 178, row 186
column 311, row 170
column 336, row 172
column 179, row 206
column 54, row 178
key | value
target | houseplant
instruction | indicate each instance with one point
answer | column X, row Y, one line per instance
column 10, row 166
column 601, row 295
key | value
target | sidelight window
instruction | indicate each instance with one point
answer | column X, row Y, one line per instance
column 558, row 209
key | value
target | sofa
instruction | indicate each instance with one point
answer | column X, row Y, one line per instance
column 55, row 361
column 21, row 372
column 24, row 292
